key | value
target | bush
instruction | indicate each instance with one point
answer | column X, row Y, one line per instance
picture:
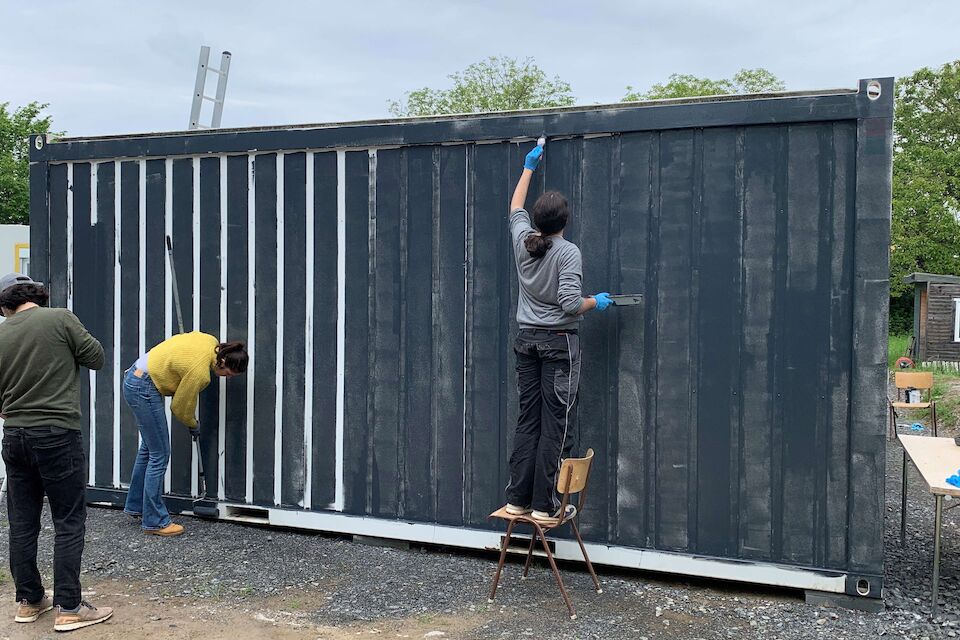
column 901, row 314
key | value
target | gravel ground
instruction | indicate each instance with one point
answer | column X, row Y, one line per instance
column 232, row 581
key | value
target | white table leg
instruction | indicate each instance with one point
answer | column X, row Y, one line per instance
column 936, row 554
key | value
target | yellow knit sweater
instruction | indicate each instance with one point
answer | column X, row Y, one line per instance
column 180, row 367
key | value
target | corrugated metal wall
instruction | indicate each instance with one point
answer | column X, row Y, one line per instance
column 738, row 413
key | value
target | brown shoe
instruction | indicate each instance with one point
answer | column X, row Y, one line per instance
column 171, row 529
column 27, row 612
column 85, row 615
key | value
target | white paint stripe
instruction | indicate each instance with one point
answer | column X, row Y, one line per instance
column 69, row 236
column 117, row 221
column 467, row 317
column 142, row 278
column 94, row 173
column 251, row 314
column 615, row 556
column 341, row 320
column 308, row 344
column 222, row 409
column 371, row 298
column 168, row 287
column 278, row 405
column 195, row 245
column 92, row 471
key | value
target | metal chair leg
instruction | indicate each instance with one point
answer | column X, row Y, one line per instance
column 586, row 558
column 933, row 409
column 503, row 558
column 556, row 573
column 533, row 542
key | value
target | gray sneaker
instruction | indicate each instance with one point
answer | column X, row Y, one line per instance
column 27, row 612
column 83, row 616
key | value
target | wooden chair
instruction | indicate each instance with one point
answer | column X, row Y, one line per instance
column 573, row 477
column 920, row 380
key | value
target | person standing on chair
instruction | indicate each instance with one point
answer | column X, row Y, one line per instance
column 547, row 347
column 180, row 367
column 41, row 352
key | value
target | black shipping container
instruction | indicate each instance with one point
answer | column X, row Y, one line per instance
column 738, row 414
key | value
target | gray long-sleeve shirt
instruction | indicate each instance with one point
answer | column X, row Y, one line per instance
column 41, row 352
column 551, row 290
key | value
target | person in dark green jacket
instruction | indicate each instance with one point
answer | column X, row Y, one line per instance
column 41, row 352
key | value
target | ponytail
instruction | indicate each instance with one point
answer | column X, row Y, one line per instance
column 233, row 356
column 537, row 246
column 550, row 214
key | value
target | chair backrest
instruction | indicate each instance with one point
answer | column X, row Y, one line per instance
column 915, row 379
column 574, row 473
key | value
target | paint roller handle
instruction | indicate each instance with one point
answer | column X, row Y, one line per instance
column 173, row 282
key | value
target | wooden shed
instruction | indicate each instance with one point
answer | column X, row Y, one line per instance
column 936, row 317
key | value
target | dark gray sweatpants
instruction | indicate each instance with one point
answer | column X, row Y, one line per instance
column 548, row 374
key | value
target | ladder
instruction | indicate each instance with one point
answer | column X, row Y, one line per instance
column 199, row 89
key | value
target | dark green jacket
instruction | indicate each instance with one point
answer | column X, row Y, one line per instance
column 41, row 352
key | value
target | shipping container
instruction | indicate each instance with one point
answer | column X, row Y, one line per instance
column 737, row 414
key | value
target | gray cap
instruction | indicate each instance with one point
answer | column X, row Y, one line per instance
column 13, row 279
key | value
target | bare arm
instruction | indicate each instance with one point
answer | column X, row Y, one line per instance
column 530, row 164
column 519, row 199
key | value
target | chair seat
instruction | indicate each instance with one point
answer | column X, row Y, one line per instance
column 911, row 405
column 526, row 517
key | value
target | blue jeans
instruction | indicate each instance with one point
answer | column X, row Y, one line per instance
column 145, row 495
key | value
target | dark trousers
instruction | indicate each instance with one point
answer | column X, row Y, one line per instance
column 50, row 463
column 548, row 374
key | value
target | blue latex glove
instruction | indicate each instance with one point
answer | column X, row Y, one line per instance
column 917, row 426
column 603, row 301
column 954, row 480
column 533, row 158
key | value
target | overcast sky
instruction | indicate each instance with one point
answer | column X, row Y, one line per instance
column 118, row 67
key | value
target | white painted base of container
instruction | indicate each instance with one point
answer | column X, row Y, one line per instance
column 626, row 557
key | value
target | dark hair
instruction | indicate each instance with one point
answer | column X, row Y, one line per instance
column 233, row 356
column 13, row 297
column 550, row 214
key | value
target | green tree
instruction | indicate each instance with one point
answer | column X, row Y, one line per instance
column 926, row 182
column 15, row 127
column 682, row 85
column 495, row 84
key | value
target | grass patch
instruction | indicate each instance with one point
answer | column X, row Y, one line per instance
column 947, row 396
column 946, row 390
column 896, row 348
column 215, row 590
